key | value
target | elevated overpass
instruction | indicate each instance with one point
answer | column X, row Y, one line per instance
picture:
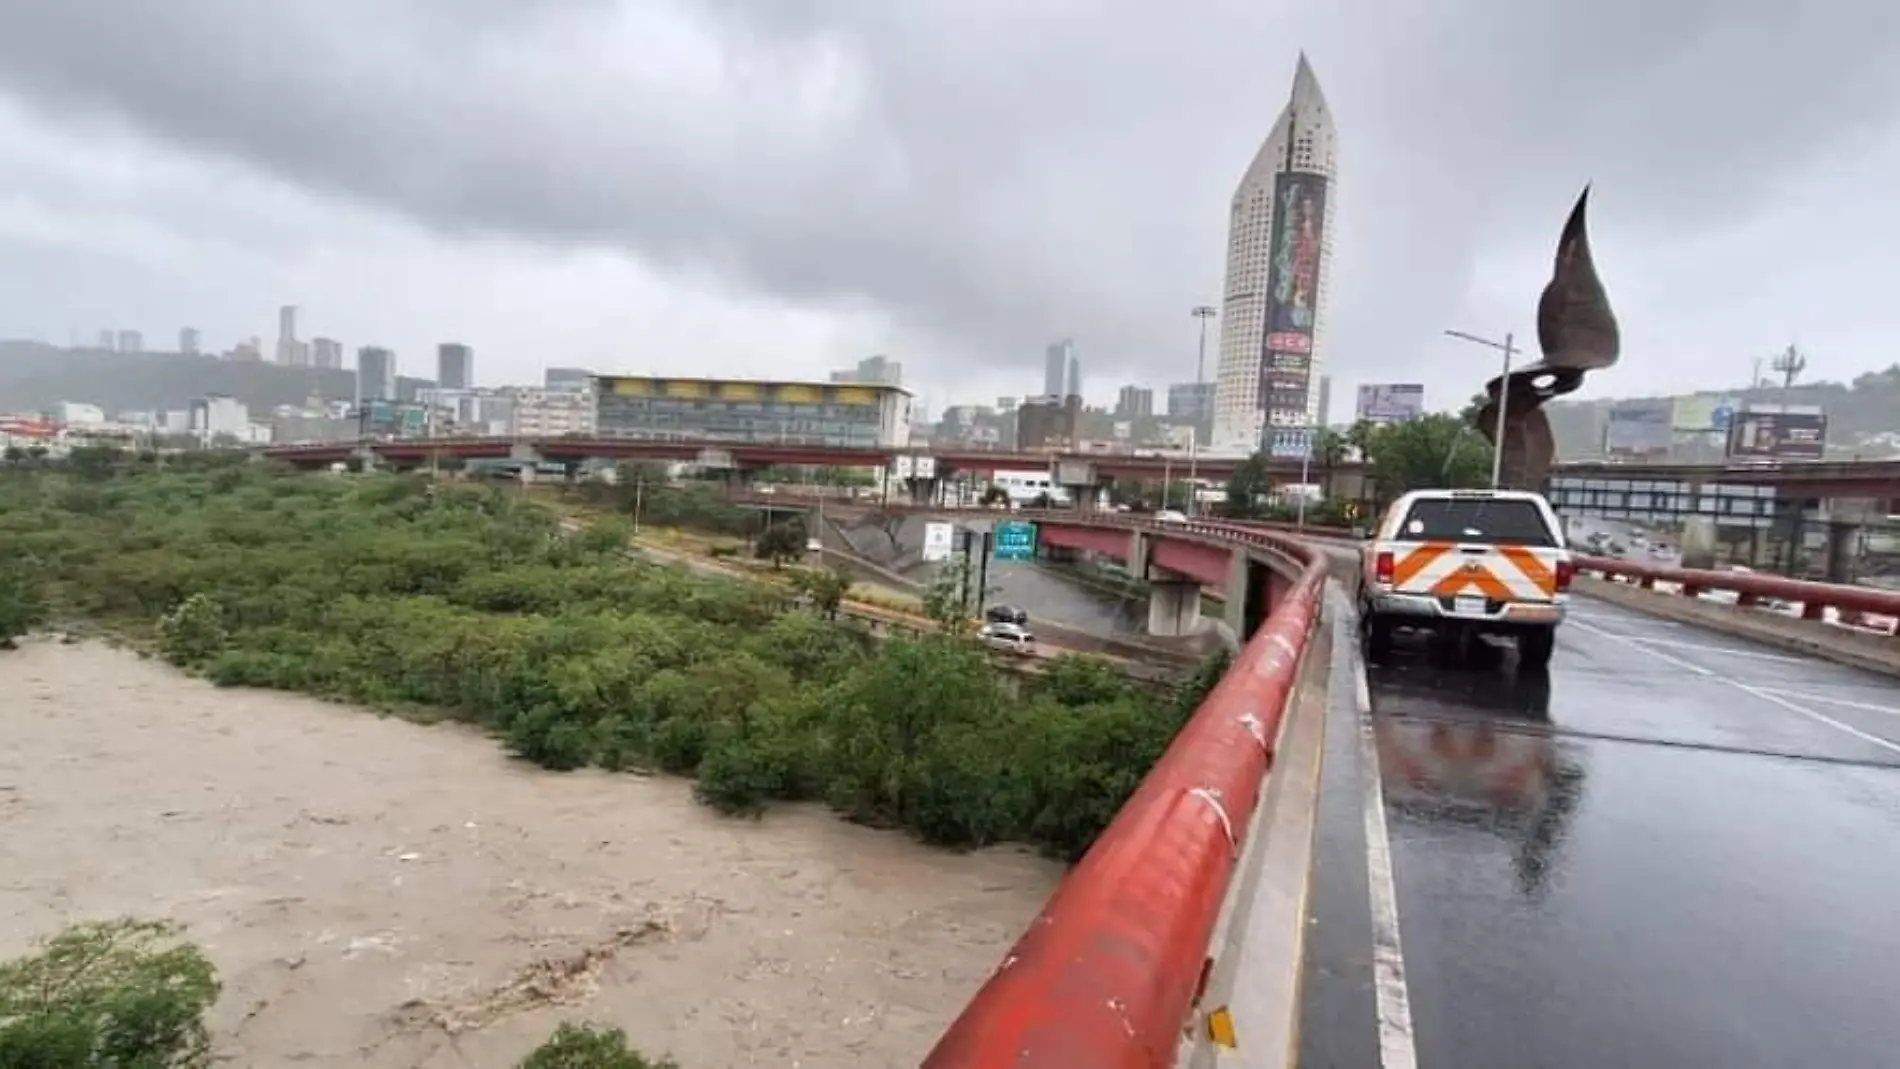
column 1809, row 480
column 1670, row 848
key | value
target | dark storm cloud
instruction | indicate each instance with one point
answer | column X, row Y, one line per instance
column 992, row 174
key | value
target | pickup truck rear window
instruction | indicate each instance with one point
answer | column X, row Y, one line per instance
column 1477, row 520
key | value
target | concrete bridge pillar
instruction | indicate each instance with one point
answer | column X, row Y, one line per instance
column 1174, row 607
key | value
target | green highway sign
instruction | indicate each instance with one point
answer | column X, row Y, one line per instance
column 1015, row 540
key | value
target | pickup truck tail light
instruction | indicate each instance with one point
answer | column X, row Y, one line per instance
column 1566, row 571
column 1382, row 568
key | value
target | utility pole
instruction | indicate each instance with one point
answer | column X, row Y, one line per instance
column 1790, row 364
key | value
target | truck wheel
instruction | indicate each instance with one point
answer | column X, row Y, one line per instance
column 1535, row 647
column 1378, row 632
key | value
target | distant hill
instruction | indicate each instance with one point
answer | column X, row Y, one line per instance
column 35, row 376
column 1863, row 415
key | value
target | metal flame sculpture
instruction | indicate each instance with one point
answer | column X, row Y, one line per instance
column 1577, row 332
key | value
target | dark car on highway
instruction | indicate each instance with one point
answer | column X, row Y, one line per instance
column 1005, row 614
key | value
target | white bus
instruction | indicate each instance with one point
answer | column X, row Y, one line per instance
column 1025, row 487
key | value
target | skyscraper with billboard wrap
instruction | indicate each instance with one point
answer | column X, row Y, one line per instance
column 1279, row 253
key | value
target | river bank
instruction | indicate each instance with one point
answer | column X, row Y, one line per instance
column 380, row 893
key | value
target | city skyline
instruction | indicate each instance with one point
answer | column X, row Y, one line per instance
column 806, row 224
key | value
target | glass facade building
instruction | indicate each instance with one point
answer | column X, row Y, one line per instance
column 855, row 416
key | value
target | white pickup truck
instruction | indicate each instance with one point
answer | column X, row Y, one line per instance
column 1467, row 562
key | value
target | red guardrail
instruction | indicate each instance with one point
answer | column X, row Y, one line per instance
column 1751, row 589
column 1109, row 971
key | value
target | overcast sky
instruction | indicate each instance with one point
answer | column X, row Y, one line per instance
column 777, row 187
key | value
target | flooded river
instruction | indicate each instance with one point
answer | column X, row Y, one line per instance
column 383, row 894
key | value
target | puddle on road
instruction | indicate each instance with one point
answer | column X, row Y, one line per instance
column 382, row 894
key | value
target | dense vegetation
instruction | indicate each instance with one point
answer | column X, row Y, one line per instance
column 455, row 600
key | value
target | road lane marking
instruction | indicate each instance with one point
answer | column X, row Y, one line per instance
column 1765, row 695
column 1830, row 700
column 1727, row 651
column 1397, row 1048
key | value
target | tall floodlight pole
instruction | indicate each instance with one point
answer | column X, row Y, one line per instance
column 1504, row 395
column 1203, row 409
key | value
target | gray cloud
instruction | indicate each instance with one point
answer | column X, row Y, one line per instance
column 994, row 174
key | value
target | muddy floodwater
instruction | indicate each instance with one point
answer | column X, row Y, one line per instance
column 384, row 894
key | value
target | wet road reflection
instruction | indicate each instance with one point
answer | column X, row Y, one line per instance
column 1655, row 854
column 1501, row 773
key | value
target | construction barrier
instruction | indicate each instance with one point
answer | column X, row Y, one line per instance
column 1859, row 606
column 1109, row 972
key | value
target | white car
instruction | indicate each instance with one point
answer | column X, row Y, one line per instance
column 1170, row 516
column 1012, row 637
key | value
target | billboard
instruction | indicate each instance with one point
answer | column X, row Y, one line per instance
column 938, row 539
column 1640, row 431
column 1299, row 220
column 1778, row 435
column 1393, row 402
column 1704, row 413
column 1288, row 443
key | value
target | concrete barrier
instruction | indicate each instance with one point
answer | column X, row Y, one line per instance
column 1111, row 971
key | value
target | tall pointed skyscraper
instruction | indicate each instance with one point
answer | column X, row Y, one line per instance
column 1279, row 254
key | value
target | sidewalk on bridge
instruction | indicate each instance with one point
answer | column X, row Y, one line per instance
column 1856, row 649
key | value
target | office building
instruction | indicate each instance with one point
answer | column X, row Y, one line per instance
column 216, row 417
column 131, row 341
column 879, row 370
column 1191, row 402
column 1279, row 252
column 454, row 366
column 287, row 350
column 188, row 342
column 864, row 416
column 1135, row 402
column 326, row 354
column 375, row 374
column 1323, row 405
column 568, row 379
column 1047, row 424
column 1061, row 371
column 544, row 413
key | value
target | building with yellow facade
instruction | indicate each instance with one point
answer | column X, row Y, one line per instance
column 847, row 415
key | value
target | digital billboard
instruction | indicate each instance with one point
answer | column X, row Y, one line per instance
column 1392, row 402
column 1778, row 435
column 1299, row 220
column 1640, row 431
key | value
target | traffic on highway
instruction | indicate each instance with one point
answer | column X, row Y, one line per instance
column 1665, row 846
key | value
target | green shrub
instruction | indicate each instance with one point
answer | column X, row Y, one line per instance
column 123, row 994
column 581, row 1046
column 192, row 634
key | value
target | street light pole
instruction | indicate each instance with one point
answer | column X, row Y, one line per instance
column 1202, row 409
column 1504, row 395
column 1306, row 472
column 1194, row 486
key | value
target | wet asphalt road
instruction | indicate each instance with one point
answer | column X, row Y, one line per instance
column 1674, row 849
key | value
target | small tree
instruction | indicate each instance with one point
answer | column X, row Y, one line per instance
column 192, row 634
column 123, row 994
column 781, row 542
column 995, row 496
column 582, row 1046
column 22, row 608
column 1250, row 484
column 826, row 587
column 944, row 599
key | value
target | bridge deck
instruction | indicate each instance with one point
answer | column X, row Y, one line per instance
column 1675, row 849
